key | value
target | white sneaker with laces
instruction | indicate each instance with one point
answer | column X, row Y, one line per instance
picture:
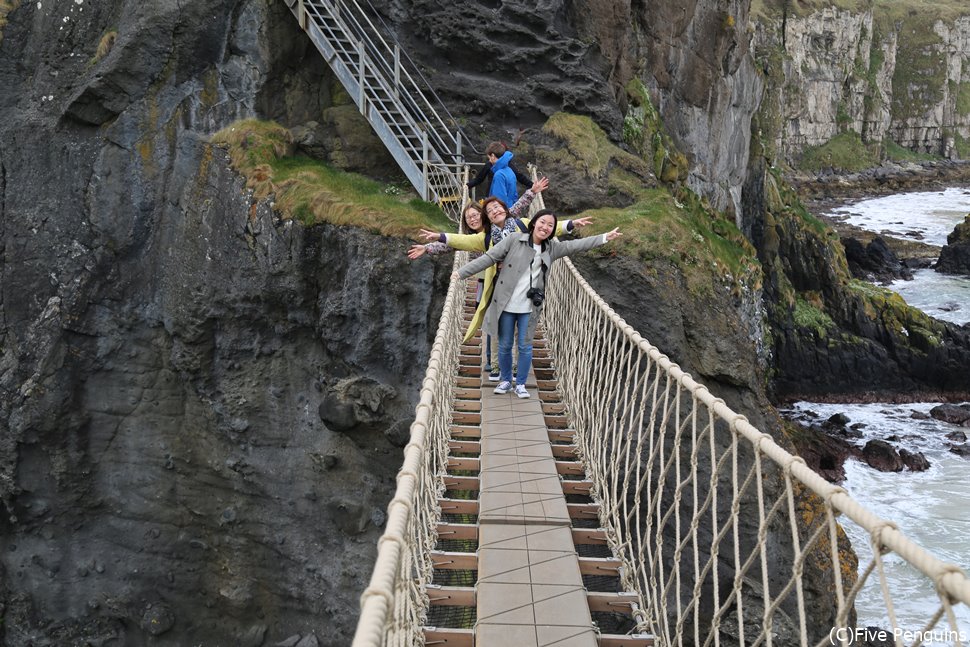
column 521, row 392
column 503, row 388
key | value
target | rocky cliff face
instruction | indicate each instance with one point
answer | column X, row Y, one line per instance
column 903, row 78
column 169, row 348
column 510, row 66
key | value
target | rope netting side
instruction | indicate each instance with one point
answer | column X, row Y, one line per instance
column 393, row 607
column 725, row 536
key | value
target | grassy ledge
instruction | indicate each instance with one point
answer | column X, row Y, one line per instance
column 312, row 192
column 666, row 225
column 680, row 231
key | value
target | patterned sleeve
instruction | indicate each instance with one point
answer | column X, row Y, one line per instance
column 521, row 205
column 435, row 248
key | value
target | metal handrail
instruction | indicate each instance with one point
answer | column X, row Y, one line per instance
column 387, row 94
column 379, row 54
column 467, row 140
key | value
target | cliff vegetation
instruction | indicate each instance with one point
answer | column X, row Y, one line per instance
column 313, row 192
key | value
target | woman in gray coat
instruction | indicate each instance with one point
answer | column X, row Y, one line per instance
column 520, row 289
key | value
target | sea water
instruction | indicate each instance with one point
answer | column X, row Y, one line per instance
column 927, row 216
column 932, row 508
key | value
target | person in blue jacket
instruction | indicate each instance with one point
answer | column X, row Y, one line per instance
column 503, row 180
column 494, row 151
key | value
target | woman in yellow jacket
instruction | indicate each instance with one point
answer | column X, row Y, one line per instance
column 502, row 223
column 518, row 298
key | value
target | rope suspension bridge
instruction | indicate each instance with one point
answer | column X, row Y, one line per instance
column 627, row 505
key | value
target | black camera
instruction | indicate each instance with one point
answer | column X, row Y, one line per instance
column 536, row 295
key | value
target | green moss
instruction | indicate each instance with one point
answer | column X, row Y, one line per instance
column 920, row 75
column 897, row 153
column 963, row 99
column 784, row 201
column 891, row 10
column 588, row 145
column 962, row 145
column 881, row 304
column 643, row 131
column 808, row 315
column 312, row 192
column 844, row 152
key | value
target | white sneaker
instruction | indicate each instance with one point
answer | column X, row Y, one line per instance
column 503, row 388
column 521, row 392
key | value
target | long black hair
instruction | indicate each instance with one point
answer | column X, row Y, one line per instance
column 535, row 219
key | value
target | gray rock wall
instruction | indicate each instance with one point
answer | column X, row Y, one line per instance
column 838, row 70
column 167, row 345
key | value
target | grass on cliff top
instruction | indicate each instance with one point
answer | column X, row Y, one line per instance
column 659, row 226
column 891, row 10
column 312, row 192
column 678, row 230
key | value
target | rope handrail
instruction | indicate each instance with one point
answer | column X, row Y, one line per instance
column 669, row 459
column 725, row 537
column 394, row 602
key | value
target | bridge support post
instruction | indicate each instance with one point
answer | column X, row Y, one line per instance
column 360, row 78
column 425, row 193
column 301, row 15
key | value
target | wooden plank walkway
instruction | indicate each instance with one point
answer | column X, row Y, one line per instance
column 508, row 558
column 530, row 589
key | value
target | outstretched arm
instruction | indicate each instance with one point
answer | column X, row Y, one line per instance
column 433, row 249
column 568, row 247
column 464, row 242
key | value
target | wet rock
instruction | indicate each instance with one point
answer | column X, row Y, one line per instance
column 960, row 450
column 955, row 255
column 954, row 414
column 837, row 420
column 874, row 262
column 919, row 415
column 957, row 436
column 915, row 461
column 824, row 451
column 882, row 456
column 157, row 619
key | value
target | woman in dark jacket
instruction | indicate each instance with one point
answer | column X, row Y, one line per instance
column 517, row 299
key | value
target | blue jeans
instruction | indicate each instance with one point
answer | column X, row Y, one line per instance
column 507, row 323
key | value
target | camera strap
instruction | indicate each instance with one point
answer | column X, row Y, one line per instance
column 542, row 266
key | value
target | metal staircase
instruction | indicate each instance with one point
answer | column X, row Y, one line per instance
column 423, row 137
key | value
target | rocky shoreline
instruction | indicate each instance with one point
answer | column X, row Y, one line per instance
column 824, row 190
column 826, row 444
